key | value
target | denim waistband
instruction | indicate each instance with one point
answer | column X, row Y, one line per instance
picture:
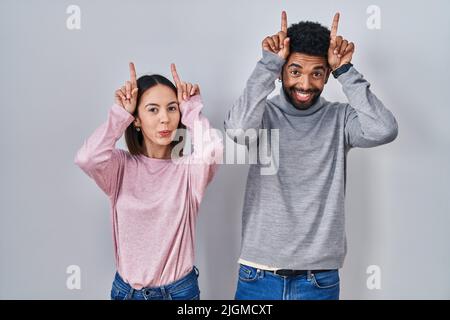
column 172, row 287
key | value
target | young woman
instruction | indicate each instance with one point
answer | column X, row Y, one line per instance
column 154, row 197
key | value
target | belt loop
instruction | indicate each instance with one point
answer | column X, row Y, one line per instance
column 309, row 275
column 196, row 271
column 166, row 295
column 129, row 294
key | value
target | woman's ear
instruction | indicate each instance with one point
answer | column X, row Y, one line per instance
column 137, row 122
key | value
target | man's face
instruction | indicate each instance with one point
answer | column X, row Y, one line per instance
column 303, row 78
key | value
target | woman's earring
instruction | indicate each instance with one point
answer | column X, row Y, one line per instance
column 279, row 80
column 138, row 129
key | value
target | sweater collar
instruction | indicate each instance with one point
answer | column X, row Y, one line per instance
column 284, row 105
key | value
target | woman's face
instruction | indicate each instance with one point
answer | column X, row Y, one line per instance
column 158, row 115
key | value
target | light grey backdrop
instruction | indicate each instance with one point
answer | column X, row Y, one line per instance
column 57, row 85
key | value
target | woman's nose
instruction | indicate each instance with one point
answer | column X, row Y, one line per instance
column 164, row 117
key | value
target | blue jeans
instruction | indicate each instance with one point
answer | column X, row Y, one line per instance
column 185, row 288
column 257, row 284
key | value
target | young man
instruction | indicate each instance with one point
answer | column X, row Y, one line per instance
column 293, row 237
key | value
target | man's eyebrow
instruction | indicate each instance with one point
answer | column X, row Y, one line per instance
column 299, row 66
column 294, row 65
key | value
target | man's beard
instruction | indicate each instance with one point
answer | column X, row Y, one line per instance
column 290, row 95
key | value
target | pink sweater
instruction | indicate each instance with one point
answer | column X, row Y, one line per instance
column 154, row 202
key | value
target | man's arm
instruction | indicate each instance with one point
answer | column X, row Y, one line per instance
column 368, row 123
column 247, row 112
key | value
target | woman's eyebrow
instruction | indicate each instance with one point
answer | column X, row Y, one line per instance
column 157, row 105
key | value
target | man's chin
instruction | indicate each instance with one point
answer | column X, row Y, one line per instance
column 299, row 104
column 304, row 105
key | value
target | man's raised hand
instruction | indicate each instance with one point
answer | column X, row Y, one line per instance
column 278, row 43
column 340, row 50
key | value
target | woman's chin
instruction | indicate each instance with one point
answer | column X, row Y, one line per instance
column 164, row 141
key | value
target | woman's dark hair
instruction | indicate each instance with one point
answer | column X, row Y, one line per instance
column 310, row 38
column 133, row 138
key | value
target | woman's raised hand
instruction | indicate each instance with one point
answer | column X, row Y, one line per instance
column 184, row 89
column 126, row 96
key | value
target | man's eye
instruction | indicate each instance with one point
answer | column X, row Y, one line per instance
column 317, row 74
column 295, row 72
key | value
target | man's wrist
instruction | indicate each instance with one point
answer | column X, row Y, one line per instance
column 341, row 70
column 272, row 61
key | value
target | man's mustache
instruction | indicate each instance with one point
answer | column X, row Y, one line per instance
column 305, row 91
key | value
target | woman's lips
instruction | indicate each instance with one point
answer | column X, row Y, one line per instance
column 165, row 133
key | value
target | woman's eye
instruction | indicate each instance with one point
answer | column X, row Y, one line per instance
column 172, row 108
column 154, row 110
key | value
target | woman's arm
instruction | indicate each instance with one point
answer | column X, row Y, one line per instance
column 98, row 157
column 207, row 142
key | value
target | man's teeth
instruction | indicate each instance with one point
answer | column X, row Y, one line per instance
column 302, row 95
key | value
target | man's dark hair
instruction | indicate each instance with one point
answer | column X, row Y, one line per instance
column 309, row 38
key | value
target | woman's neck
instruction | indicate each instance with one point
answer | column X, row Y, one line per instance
column 158, row 151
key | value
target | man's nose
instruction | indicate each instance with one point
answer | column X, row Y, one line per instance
column 304, row 83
